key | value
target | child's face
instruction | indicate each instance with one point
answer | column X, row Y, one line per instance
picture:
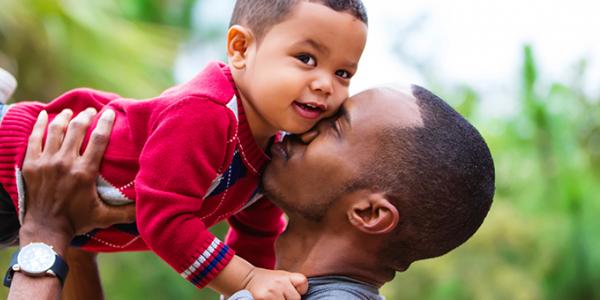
column 300, row 71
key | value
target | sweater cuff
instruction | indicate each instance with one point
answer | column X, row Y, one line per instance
column 208, row 263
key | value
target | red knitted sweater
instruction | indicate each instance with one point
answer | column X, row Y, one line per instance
column 187, row 158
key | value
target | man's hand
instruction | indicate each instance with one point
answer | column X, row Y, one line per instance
column 61, row 182
column 61, row 198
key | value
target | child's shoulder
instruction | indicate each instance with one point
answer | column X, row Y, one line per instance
column 214, row 84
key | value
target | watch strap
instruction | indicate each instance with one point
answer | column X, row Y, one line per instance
column 10, row 272
column 60, row 269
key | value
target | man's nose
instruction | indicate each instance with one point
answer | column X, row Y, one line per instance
column 323, row 83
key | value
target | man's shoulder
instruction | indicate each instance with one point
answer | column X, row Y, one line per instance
column 340, row 287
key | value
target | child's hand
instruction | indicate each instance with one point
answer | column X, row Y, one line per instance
column 269, row 284
column 262, row 283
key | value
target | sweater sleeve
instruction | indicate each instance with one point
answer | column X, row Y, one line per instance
column 253, row 231
column 185, row 150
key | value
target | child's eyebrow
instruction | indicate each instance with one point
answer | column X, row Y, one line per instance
column 316, row 45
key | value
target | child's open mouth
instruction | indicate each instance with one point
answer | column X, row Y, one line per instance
column 309, row 110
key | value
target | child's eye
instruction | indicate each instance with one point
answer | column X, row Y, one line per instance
column 307, row 59
column 344, row 74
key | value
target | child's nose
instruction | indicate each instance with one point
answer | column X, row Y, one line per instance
column 322, row 84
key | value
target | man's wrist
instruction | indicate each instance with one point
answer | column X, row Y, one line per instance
column 34, row 232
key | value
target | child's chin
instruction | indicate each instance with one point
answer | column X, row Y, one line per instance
column 299, row 129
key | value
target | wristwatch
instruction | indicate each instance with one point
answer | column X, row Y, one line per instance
column 36, row 260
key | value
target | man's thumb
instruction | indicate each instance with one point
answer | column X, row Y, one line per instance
column 300, row 282
column 110, row 215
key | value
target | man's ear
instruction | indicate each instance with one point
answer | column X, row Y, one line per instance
column 373, row 214
column 239, row 39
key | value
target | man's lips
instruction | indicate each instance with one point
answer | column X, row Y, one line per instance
column 309, row 110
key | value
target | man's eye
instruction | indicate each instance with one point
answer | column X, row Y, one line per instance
column 343, row 74
column 307, row 59
column 335, row 125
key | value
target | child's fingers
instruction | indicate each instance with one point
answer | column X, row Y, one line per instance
column 56, row 131
column 300, row 282
column 34, row 144
column 76, row 131
column 99, row 140
column 291, row 294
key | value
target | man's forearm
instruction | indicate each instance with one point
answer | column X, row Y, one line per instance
column 83, row 281
column 25, row 287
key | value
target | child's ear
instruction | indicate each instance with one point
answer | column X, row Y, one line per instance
column 373, row 214
column 239, row 39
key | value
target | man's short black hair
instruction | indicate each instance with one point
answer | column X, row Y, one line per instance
column 441, row 178
column 261, row 15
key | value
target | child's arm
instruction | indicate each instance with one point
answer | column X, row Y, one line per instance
column 262, row 283
column 253, row 232
column 183, row 155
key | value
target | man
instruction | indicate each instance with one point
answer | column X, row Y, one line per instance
column 393, row 178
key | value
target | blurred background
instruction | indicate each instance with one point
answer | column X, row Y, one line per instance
column 526, row 73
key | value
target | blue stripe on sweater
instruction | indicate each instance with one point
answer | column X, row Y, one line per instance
column 82, row 240
column 196, row 279
column 236, row 171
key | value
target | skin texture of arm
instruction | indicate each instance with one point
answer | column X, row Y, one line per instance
column 83, row 281
column 61, row 195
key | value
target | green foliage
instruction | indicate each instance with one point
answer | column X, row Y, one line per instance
column 55, row 45
column 539, row 239
column 538, row 242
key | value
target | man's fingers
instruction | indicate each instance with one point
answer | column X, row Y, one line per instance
column 300, row 282
column 99, row 139
column 34, row 145
column 56, row 131
column 76, row 131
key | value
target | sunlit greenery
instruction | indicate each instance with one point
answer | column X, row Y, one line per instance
column 540, row 240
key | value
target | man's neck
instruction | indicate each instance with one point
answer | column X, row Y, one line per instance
column 314, row 251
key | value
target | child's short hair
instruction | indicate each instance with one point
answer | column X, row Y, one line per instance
column 261, row 15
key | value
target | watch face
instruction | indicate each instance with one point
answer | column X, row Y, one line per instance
column 36, row 258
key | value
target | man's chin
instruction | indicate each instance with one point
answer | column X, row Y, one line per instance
column 272, row 193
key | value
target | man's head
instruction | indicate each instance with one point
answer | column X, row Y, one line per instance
column 403, row 170
column 292, row 60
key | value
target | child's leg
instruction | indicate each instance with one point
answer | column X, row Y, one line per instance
column 9, row 221
column 83, row 281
